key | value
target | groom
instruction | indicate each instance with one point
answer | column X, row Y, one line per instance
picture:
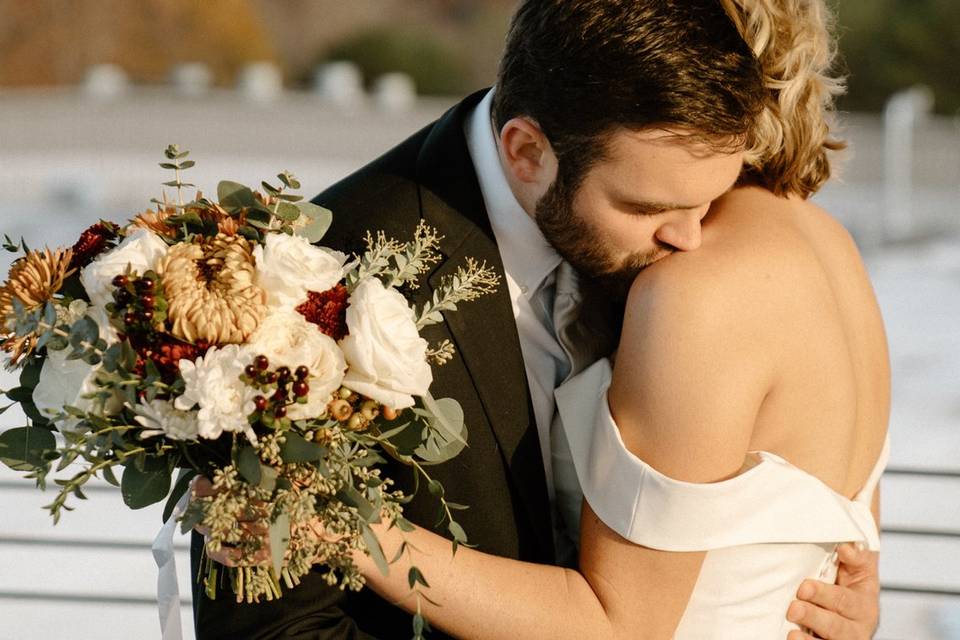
column 468, row 175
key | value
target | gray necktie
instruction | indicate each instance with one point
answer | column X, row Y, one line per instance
column 581, row 347
column 577, row 341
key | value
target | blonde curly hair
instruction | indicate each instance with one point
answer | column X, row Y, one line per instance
column 787, row 148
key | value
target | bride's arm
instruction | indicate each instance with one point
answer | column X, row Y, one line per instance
column 684, row 357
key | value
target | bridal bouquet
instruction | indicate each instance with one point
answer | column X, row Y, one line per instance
column 218, row 339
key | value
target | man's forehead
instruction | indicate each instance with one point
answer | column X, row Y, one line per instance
column 687, row 141
column 660, row 167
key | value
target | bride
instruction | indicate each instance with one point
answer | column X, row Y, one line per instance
column 739, row 436
column 736, row 440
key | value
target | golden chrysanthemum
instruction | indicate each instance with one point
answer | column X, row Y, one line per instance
column 211, row 291
column 33, row 280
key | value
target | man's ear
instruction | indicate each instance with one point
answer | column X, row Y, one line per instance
column 527, row 153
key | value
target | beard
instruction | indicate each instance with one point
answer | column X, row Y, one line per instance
column 584, row 247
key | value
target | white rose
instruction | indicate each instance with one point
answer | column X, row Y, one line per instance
column 288, row 340
column 387, row 358
column 289, row 266
column 214, row 387
column 65, row 383
column 141, row 250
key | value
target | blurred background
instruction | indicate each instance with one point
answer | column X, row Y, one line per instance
column 91, row 91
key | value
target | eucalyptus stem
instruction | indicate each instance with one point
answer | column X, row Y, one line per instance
column 179, row 186
column 43, row 326
column 426, row 476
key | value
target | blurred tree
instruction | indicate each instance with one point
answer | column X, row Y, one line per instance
column 890, row 45
column 53, row 42
column 437, row 67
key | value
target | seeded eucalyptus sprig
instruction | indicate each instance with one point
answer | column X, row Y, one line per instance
column 468, row 283
column 174, row 156
column 402, row 263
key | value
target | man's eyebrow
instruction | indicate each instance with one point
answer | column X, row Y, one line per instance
column 659, row 207
column 650, row 207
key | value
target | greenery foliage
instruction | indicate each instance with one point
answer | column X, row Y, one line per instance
column 438, row 68
column 891, row 45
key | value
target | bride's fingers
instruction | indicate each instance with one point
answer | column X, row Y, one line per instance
column 231, row 557
column 842, row 600
column 202, row 487
column 799, row 635
column 825, row 624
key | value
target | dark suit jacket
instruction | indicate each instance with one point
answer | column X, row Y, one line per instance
column 500, row 475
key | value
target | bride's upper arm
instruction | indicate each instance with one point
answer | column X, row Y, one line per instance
column 693, row 367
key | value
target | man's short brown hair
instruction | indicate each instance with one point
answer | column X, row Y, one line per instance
column 582, row 69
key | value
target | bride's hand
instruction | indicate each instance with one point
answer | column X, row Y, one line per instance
column 230, row 556
column 848, row 610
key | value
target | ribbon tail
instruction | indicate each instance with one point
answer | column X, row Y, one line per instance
column 168, row 588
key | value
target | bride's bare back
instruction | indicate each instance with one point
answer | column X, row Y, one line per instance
column 790, row 282
column 828, row 407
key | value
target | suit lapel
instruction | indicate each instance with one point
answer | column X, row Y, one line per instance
column 485, row 331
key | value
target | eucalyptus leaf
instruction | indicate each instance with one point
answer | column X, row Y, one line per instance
column 286, row 211
column 414, row 577
column 248, row 463
column 375, row 550
column 233, row 195
column 20, row 394
column 179, row 488
column 279, row 540
column 446, row 436
column 457, row 531
column 319, row 218
column 268, row 478
column 296, row 449
column 23, row 448
column 349, row 496
column 110, row 476
column 30, row 374
column 143, row 487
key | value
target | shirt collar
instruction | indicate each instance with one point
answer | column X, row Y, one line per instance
column 527, row 256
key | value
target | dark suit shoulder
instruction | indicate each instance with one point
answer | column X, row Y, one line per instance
column 382, row 196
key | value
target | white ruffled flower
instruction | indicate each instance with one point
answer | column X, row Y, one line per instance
column 64, row 383
column 387, row 358
column 140, row 251
column 161, row 418
column 288, row 266
column 213, row 385
column 288, row 340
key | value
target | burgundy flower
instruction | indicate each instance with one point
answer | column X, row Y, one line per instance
column 327, row 310
column 92, row 243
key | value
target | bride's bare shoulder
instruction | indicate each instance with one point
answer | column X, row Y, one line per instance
column 764, row 264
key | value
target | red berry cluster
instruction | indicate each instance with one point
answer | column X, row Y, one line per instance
column 279, row 388
column 139, row 302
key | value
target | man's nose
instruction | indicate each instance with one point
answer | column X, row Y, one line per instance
column 683, row 232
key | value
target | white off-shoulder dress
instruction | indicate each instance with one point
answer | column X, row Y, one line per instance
column 764, row 531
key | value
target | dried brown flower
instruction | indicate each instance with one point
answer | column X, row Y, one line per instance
column 156, row 221
column 33, row 280
column 210, row 290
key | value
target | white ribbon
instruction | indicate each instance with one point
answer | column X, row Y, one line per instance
column 168, row 589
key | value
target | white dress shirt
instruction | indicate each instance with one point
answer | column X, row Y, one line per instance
column 530, row 264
